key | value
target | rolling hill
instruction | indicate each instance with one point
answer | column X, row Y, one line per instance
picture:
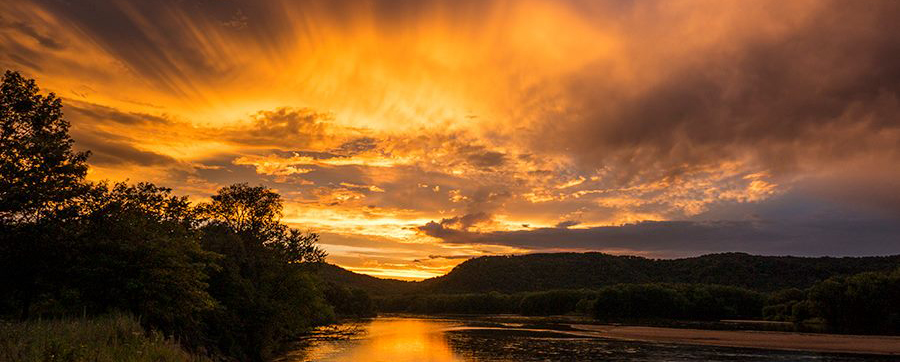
column 537, row 272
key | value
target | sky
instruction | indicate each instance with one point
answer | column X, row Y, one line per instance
column 413, row 135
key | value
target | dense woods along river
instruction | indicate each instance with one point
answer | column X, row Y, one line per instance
column 416, row 339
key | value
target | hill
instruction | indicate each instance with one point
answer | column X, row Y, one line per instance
column 372, row 285
column 536, row 272
column 539, row 272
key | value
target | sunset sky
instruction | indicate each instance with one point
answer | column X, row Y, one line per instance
column 415, row 134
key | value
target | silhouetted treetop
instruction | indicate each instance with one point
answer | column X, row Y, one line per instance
column 39, row 171
column 254, row 210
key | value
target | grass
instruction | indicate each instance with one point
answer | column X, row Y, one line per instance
column 111, row 338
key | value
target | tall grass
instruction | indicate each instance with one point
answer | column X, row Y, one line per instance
column 111, row 338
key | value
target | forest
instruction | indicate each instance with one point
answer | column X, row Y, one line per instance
column 228, row 279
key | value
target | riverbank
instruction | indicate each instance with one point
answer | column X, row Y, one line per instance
column 814, row 342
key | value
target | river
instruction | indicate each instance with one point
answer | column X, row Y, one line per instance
column 415, row 339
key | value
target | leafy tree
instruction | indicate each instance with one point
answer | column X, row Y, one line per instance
column 265, row 295
column 295, row 246
column 137, row 250
column 39, row 172
column 41, row 178
column 254, row 212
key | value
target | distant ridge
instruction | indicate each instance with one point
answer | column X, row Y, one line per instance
column 537, row 272
column 373, row 285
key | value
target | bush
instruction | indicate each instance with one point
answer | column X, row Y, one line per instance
column 111, row 338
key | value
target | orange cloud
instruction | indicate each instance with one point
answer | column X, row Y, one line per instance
column 377, row 119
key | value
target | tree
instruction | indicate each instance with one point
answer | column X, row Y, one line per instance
column 39, row 171
column 40, row 176
column 265, row 297
column 249, row 211
column 861, row 303
column 137, row 250
column 254, row 213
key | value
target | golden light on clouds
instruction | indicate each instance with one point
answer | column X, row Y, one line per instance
column 401, row 130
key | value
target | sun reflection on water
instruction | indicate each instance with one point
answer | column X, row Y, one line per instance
column 394, row 340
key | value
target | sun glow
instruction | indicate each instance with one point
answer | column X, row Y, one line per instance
column 411, row 133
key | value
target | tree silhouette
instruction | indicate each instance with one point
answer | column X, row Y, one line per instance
column 254, row 213
column 39, row 172
column 246, row 210
column 40, row 176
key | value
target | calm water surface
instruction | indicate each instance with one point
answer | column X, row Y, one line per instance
column 402, row 339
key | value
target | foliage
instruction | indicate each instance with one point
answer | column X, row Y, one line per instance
column 639, row 301
column 780, row 306
column 348, row 301
column 553, row 302
column 39, row 172
column 254, row 214
column 862, row 303
column 226, row 276
column 265, row 297
column 111, row 338
column 40, row 179
column 136, row 249
column 713, row 302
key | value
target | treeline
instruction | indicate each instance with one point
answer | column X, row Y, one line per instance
column 623, row 301
column 225, row 277
column 865, row 303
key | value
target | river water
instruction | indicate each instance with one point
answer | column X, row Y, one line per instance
column 411, row 339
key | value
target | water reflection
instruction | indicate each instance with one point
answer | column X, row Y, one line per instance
column 390, row 339
column 401, row 339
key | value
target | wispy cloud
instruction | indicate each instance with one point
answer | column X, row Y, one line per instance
column 466, row 127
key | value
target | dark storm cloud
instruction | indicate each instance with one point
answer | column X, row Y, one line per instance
column 113, row 149
column 160, row 54
column 167, row 40
column 823, row 90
